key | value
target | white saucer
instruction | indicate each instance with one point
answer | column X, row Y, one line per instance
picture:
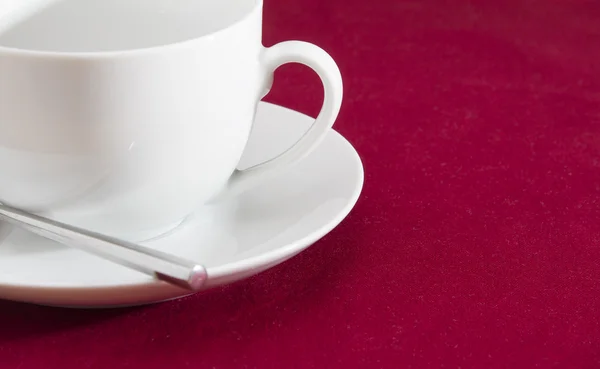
column 235, row 239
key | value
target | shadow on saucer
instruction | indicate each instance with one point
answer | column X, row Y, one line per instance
column 5, row 231
column 24, row 242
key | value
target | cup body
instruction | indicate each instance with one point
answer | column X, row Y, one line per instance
column 127, row 142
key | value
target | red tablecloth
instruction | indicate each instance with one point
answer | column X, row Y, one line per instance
column 476, row 243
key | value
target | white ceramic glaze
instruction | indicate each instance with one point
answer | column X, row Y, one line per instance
column 123, row 117
column 234, row 239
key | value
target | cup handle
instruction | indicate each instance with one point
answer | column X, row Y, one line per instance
column 321, row 62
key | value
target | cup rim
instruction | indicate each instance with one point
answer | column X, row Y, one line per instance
column 112, row 54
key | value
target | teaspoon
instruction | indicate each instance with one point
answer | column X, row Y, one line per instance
column 160, row 265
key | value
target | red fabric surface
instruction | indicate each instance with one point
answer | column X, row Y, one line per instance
column 476, row 243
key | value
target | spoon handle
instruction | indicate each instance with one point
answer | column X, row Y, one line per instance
column 162, row 266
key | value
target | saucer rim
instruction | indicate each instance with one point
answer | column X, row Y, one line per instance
column 296, row 246
column 259, row 262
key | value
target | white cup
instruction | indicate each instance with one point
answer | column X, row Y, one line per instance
column 125, row 116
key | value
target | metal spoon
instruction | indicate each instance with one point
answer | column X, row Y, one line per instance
column 162, row 266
